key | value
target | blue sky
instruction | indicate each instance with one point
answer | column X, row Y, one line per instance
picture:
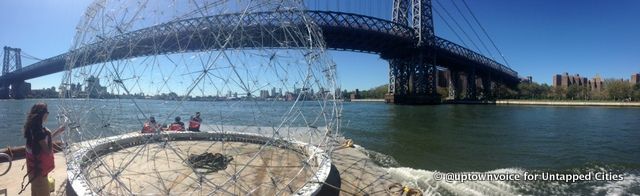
column 538, row 37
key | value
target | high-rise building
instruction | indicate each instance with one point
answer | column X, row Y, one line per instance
column 596, row 83
column 273, row 92
column 264, row 94
column 635, row 79
column 565, row 80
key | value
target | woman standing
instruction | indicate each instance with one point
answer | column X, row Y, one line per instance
column 39, row 150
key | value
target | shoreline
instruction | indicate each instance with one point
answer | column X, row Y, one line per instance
column 567, row 103
column 547, row 103
column 367, row 100
column 529, row 102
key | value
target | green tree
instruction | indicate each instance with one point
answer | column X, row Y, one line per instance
column 533, row 91
column 635, row 94
column 559, row 92
column 374, row 93
column 617, row 89
column 504, row 92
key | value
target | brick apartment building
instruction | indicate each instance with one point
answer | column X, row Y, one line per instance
column 635, row 79
column 565, row 80
column 595, row 84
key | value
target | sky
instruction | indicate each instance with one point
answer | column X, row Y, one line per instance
column 539, row 38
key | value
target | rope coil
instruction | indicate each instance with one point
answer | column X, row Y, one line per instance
column 209, row 162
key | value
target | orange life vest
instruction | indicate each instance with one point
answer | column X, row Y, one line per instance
column 147, row 128
column 176, row 127
column 194, row 124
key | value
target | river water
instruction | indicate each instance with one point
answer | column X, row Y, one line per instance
column 468, row 138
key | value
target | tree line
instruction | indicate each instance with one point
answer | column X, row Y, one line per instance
column 612, row 90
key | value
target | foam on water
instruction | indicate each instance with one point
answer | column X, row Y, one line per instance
column 624, row 187
column 424, row 180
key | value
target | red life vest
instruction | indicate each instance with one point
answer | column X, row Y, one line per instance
column 42, row 163
column 176, row 127
column 194, row 124
column 147, row 128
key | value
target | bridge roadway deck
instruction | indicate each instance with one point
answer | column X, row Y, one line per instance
column 341, row 31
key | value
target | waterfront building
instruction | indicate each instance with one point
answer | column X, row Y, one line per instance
column 596, row 83
column 264, row 94
column 635, row 79
column 273, row 92
column 565, row 80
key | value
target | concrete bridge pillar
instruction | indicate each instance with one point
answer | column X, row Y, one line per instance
column 19, row 90
column 470, row 93
column 454, row 84
column 4, row 91
column 486, row 87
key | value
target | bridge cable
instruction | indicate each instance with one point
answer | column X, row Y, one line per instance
column 472, row 29
column 453, row 30
column 459, row 26
column 28, row 56
column 485, row 33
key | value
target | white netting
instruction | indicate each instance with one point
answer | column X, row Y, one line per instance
column 252, row 67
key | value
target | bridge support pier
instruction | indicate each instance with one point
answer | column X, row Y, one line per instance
column 470, row 93
column 19, row 90
column 486, row 87
column 454, row 84
column 412, row 82
column 4, row 91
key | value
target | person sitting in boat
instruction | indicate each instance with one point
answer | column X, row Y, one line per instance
column 194, row 123
column 150, row 126
column 176, row 126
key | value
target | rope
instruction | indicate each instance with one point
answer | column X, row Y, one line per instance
column 209, row 162
column 347, row 144
column 399, row 189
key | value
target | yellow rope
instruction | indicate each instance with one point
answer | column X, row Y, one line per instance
column 348, row 143
column 399, row 189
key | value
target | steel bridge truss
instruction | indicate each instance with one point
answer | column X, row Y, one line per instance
column 413, row 51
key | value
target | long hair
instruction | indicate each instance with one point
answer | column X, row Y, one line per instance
column 34, row 120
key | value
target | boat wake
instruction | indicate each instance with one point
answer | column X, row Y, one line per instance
column 427, row 181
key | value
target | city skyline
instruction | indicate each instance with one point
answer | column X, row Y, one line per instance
column 538, row 39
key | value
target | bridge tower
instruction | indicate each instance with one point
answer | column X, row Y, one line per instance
column 412, row 74
column 11, row 62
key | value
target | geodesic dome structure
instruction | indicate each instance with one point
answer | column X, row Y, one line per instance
column 256, row 70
